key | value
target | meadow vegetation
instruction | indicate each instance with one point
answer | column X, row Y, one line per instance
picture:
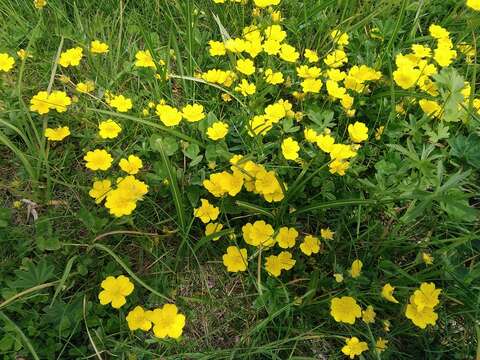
column 239, row 179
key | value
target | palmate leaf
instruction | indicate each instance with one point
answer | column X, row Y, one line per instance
column 32, row 275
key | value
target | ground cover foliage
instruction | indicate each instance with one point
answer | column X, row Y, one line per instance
column 256, row 179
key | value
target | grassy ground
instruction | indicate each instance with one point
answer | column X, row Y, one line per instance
column 410, row 192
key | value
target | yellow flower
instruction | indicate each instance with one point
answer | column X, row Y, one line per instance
column 327, row 234
column 272, row 47
column 267, row 185
column 290, row 149
column 444, row 55
column 336, row 91
column 193, row 112
column 6, row 62
column 426, row 296
column 338, row 167
column 273, row 78
column 342, row 152
column 387, row 293
column 306, row 72
column 474, row 4
column 218, row 130
column 311, row 85
column 246, row 88
column 406, row 77
column 98, row 160
column 39, row 4
column 286, row 237
column 71, row 57
column 368, row 315
column 258, row 234
column 98, row 47
column 336, row 59
column 275, row 264
column 168, row 115
column 120, row 203
column 427, row 258
column 266, row 3
column 40, row 103
column 235, row 259
column 339, row 38
column 338, row 277
column 245, row 66
column 421, row 318
column 288, row 53
column 213, row 228
column 85, row 87
column 132, row 165
column 206, row 212
column 143, row 58
column 139, row 319
column 100, row 189
column 356, row 268
column 325, row 142
column 381, row 345
column 59, row 100
column 109, row 129
column 311, row 56
column 167, row 322
column 57, row 134
column 438, row 32
column 358, row 132
column 310, row 135
column 23, row 54
column 310, row 245
column 379, row 132
column 115, row 291
column 354, row 347
column 345, row 309
column 431, row 107
column 217, row 48
column 121, row 103
column 223, row 183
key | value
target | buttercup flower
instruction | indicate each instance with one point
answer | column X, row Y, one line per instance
column 275, row 264
column 327, row 234
column 121, row 103
column 100, row 190
column 235, row 259
column 354, row 347
column 115, row 291
column 356, row 268
column 6, row 62
column 139, row 319
column 310, row 245
column 358, row 132
column 206, row 212
column 132, row 165
column 193, row 113
column 109, row 129
column 98, row 159
column 474, row 4
column 381, row 345
column 246, row 67
column 71, row 57
column 167, row 322
column 57, row 134
column 387, row 293
column 345, row 309
column 40, row 103
column 218, row 130
column 290, row 149
column 144, row 59
column 258, row 234
column 286, row 237
column 98, row 47
column 212, row 228
column 59, row 100
column 368, row 315
column 168, row 115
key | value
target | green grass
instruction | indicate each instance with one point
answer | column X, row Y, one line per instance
column 405, row 195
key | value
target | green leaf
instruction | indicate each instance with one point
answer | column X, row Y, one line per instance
column 191, row 151
column 48, row 243
column 168, row 144
column 467, row 149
